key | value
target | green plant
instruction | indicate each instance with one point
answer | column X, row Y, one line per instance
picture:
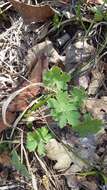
column 88, row 125
column 63, row 109
column 66, row 107
column 57, row 21
column 79, row 14
column 18, row 165
column 4, row 146
column 36, row 140
column 56, row 79
column 99, row 14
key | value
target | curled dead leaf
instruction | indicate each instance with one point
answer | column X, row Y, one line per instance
column 23, row 99
column 56, row 151
column 33, row 13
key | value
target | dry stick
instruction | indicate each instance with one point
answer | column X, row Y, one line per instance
column 3, row 5
column 7, row 8
column 21, row 142
column 34, row 180
column 44, row 168
column 7, row 187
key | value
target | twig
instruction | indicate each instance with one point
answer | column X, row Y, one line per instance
column 44, row 168
column 34, row 180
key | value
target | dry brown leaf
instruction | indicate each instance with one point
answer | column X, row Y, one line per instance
column 23, row 99
column 94, row 2
column 64, row 1
column 88, row 183
column 45, row 47
column 56, row 151
column 33, row 13
column 10, row 117
column 84, row 81
column 98, row 107
column 5, row 159
column 96, row 82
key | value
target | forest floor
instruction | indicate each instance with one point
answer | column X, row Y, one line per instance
column 53, row 95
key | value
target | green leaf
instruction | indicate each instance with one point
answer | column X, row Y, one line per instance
column 89, row 126
column 47, row 138
column 41, row 148
column 73, row 118
column 43, row 131
column 78, row 10
column 64, row 109
column 104, row 177
column 18, row 165
column 38, row 138
column 31, row 142
column 105, row 16
column 56, row 21
column 56, row 78
column 79, row 95
column 98, row 16
column 62, row 120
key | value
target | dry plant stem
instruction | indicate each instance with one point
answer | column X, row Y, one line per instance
column 7, row 8
column 76, row 173
column 20, row 117
column 12, row 56
column 90, row 27
column 10, row 142
column 16, row 73
column 34, row 181
column 21, row 142
column 7, row 187
column 4, row 4
column 44, row 168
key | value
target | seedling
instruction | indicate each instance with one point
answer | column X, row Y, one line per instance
column 36, row 140
column 66, row 108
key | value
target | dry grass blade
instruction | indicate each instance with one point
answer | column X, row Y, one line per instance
column 21, row 115
column 44, row 168
column 34, row 181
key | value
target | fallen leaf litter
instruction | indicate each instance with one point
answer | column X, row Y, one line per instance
column 19, row 53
